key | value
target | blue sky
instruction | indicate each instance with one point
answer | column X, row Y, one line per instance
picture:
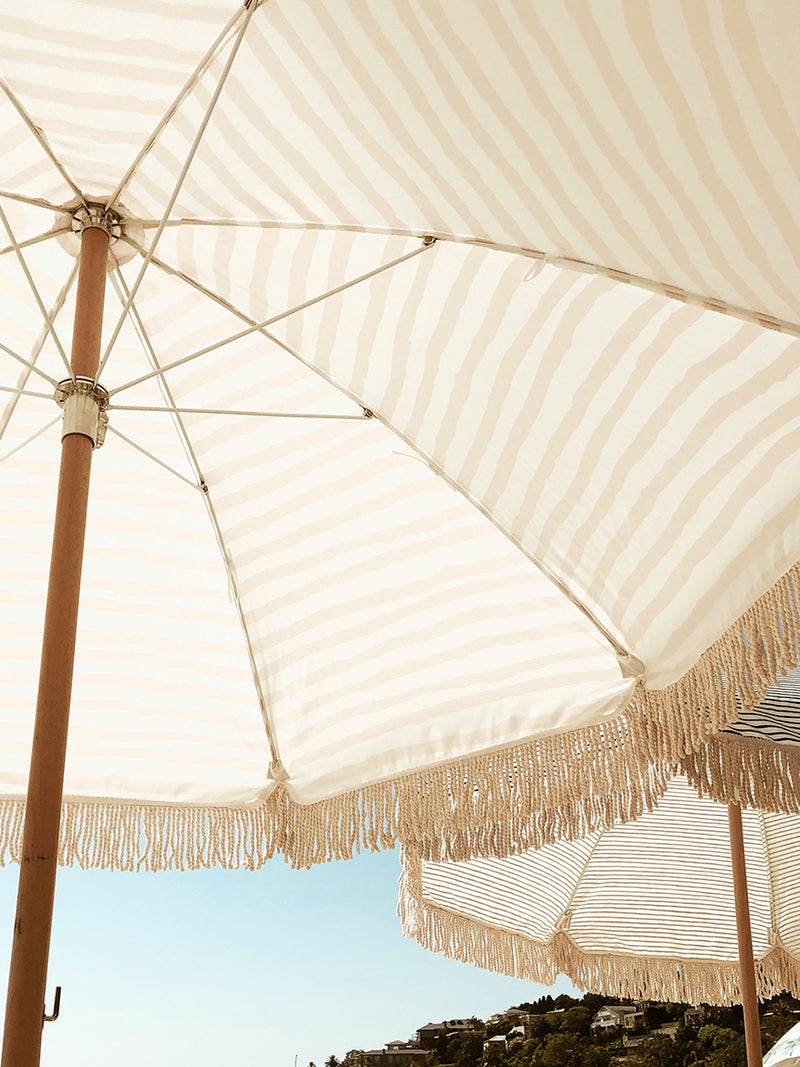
column 242, row 968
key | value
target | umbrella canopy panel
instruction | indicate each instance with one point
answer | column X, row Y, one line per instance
column 644, row 910
column 786, row 1051
column 389, row 626
column 598, row 352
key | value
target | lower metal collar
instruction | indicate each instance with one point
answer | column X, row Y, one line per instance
column 84, row 403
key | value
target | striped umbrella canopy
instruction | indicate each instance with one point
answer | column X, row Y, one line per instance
column 643, row 910
column 448, row 374
column 449, row 487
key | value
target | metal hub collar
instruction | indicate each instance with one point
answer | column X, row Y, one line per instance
column 97, row 217
column 84, row 403
column 125, row 233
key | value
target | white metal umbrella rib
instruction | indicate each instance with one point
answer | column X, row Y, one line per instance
column 40, row 137
column 33, row 201
column 177, row 187
column 30, row 241
column 39, row 345
column 155, row 459
column 262, row 695
column 25, row 392
column 35, row 290
column 26, row 363
column 169, row 114
column 580, row 266
column 256, row 414
column 32, row 437
column 630, row 665
column 260, row 685
column 260, row 327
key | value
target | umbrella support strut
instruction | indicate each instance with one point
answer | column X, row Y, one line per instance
column 22, row 1036
column 747, row 979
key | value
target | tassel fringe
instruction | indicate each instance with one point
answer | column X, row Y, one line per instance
column 486, row 805
column 747, row 771
column 660, row 978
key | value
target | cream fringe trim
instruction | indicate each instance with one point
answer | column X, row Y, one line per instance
column 660, row 978
column 491, row 804
column 748, row 771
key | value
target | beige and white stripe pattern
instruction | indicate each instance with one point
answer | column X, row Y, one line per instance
column 643, row 910
column 649, row 138
column 565, row 551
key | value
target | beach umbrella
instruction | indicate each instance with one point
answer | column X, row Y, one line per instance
column 786, row 1051
column 441, row 349
column 752, row 763
column 644, row 910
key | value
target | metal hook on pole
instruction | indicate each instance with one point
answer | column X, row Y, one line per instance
column 56, row 1008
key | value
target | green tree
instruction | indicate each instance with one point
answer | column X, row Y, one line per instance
column 524, row 1055
column 733, row 1054
column 710, row 1036
column 727, row 1016
column 674, row 1012
column 777, row 1016
column 564, row 1050
column 597, row 1057
column 538, row 1007
column 494, row 1056
column 564, row 1000
column 440, row 1047
column 499, row 1026
column 661, row 1051
column 466, row 1050
column 655, row 1015
column 540, row 1026
column 576, row 1020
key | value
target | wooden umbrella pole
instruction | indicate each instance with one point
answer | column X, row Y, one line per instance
column 747, row 970
column 22, row 1036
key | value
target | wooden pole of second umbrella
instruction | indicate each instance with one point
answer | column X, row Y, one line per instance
column 747, row 973
column 22, row 1036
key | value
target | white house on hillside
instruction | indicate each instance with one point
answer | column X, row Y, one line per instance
column 610, row 1015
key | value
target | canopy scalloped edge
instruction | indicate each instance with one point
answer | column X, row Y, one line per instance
column 491, row 804
column 660, row 978
column 748, row 771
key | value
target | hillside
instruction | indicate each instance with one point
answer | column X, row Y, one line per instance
column 593, row 1031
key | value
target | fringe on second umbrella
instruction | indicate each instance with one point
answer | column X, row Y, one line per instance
column 645, row 977
column 748, row 771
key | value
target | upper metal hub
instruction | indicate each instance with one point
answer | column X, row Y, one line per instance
column 97, row 217
column 125, row 231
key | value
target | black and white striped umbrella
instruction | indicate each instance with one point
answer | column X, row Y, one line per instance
column 755, row 762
